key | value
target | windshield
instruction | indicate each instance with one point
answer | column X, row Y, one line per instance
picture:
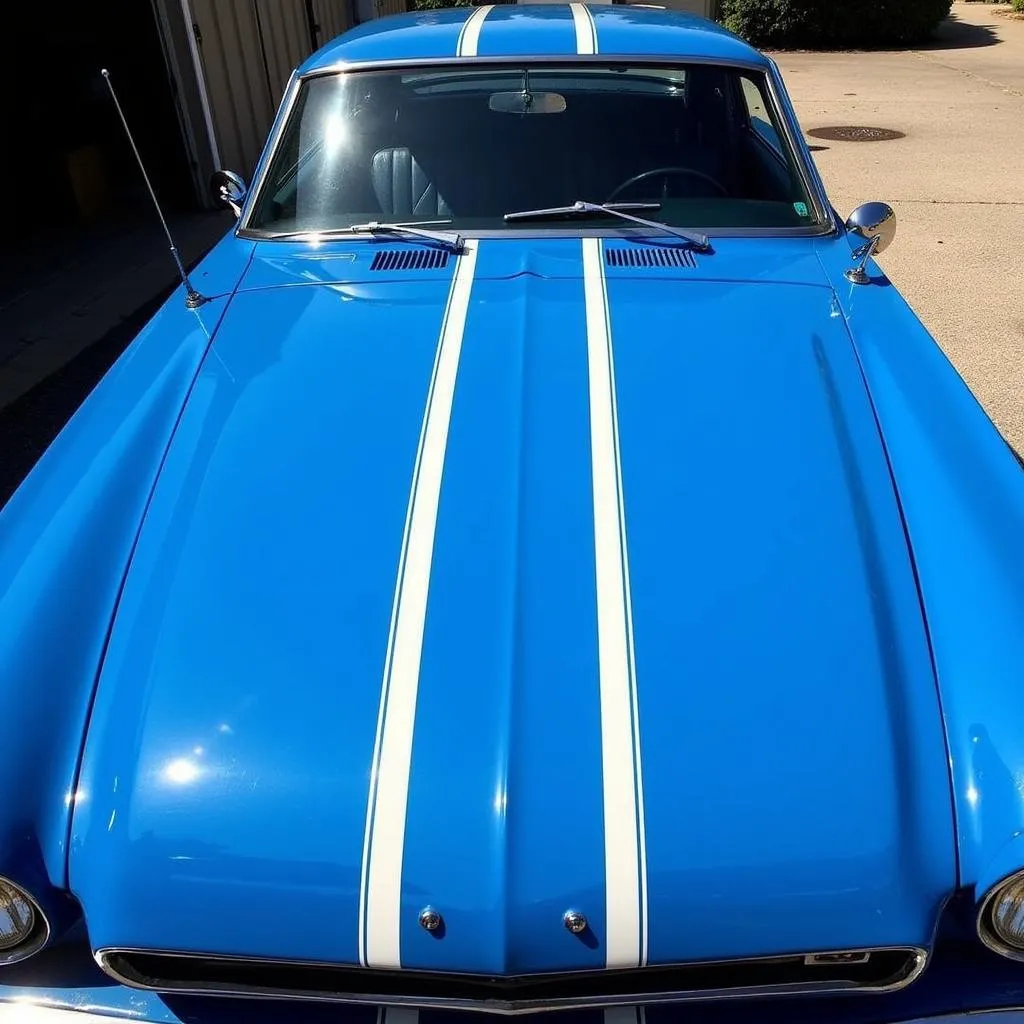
column 465, row 147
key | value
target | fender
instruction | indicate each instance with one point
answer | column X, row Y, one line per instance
column 961, row 488
column 66, row 539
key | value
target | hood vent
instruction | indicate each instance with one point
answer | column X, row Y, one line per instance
column 876, row 970
column 649, row 256
column 410, row 259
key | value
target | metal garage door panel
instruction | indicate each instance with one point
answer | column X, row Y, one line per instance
column 333, row 17
column 241, row 106
column 286, row 40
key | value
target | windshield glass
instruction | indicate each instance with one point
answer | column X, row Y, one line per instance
column 467, row 146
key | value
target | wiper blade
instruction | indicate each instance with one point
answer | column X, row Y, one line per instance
column 700, row 242
column 418, row 229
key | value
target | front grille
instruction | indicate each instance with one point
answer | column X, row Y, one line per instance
column 869, row 970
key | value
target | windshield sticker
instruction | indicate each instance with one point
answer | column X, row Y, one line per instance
column 801, row 209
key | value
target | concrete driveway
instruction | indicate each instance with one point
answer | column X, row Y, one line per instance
column 956, row 182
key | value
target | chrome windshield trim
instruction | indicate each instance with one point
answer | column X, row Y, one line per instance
column 609, row 231
column 766, row 67
column 918, row 960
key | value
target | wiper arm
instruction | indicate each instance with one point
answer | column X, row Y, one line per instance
column 700, row 242
column 447, row 239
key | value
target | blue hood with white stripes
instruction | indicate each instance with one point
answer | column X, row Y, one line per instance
column 517, row 586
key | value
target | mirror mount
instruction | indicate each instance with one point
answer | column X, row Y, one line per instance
column 875, row 225
column 228, row 189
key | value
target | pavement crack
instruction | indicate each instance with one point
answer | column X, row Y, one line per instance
column 924, row 55
column 962, row 202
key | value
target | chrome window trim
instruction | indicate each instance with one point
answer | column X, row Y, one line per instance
column 987, row 935
column 767, row 68
column 611, row 232
column 919, row 960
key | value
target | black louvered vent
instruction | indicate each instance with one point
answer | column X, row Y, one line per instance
column 410, row 259
column 650, row 256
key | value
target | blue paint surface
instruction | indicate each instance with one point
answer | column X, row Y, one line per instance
column 66, row 537
column 962, row 492
column 792, row 746
column 513, row 31
column 228, row 755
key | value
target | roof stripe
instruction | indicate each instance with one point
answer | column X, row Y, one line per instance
column 586, row 29
column 469, row 37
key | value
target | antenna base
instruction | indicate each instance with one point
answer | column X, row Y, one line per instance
column 193, row 300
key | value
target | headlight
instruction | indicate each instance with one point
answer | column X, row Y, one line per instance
column 23, row 929
column 1001, row 918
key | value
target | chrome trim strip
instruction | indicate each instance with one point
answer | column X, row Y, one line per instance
column 773, row 79
column 918, row 962
column 259, row 179
column 988, row 937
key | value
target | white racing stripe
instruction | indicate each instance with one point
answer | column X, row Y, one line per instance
column 469, row 37
column 384, row 833
column 586, row 30
column 624, row 840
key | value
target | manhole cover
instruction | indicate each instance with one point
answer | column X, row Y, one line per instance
column 856, row 133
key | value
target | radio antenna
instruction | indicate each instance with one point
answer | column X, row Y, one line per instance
column 193, row 300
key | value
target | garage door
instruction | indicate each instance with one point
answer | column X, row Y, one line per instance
column 247, row 50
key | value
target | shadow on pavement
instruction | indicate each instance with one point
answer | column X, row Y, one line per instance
column 954, row 34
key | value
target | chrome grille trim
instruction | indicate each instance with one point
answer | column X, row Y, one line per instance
column 116, row 962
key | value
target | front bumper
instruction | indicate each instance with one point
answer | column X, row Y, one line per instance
column 963, row 984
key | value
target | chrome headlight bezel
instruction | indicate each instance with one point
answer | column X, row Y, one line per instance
column 985, row 924
column 37, row 936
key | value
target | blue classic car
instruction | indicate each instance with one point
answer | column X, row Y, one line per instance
column 539, row 563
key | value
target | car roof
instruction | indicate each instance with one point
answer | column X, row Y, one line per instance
column 536, row 30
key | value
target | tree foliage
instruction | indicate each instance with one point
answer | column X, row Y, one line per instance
column 833, row 23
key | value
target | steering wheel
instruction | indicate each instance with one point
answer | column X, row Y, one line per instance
column 666, row 173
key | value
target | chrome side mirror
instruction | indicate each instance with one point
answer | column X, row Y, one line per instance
column 875, row 225
column 228, row 190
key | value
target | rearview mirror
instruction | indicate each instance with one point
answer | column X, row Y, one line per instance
column 228, row 190
column 527, row 102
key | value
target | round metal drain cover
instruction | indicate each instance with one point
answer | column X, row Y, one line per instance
column 856, row 133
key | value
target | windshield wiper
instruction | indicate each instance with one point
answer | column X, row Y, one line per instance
column 700, row 242
column 417, row 229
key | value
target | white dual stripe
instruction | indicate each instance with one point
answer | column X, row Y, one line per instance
column 384, row 833
column 624, row 840
column 586, row 29
column 469, row 37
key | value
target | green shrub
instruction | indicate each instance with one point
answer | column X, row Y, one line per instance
column 833, row 23
column 1018, row 5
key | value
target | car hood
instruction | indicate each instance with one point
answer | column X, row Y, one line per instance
column 644, row 644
